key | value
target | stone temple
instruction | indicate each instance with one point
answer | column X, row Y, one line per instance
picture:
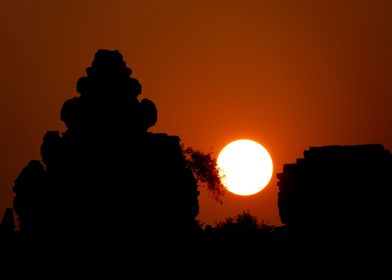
column 337, row 193
column 106, row 177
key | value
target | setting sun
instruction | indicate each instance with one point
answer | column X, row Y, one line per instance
column 245, row 167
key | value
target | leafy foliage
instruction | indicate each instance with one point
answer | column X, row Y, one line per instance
column 244, row 222
column 205, row 169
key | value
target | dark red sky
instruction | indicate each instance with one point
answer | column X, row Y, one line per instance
column 288, row 74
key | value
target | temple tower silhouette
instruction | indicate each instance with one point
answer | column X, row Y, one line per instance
column 106, row 177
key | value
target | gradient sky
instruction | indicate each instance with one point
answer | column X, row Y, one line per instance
column 288, row 74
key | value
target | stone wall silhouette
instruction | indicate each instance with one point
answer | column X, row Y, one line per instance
column 337, row 193
column 106, row 177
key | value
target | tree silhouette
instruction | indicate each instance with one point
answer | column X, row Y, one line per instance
column 204, row 167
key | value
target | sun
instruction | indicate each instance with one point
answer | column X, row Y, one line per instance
column 245, row 167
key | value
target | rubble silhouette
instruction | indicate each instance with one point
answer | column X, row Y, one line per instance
column 337, row 193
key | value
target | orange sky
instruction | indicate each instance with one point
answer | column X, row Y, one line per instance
column 288, row 74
